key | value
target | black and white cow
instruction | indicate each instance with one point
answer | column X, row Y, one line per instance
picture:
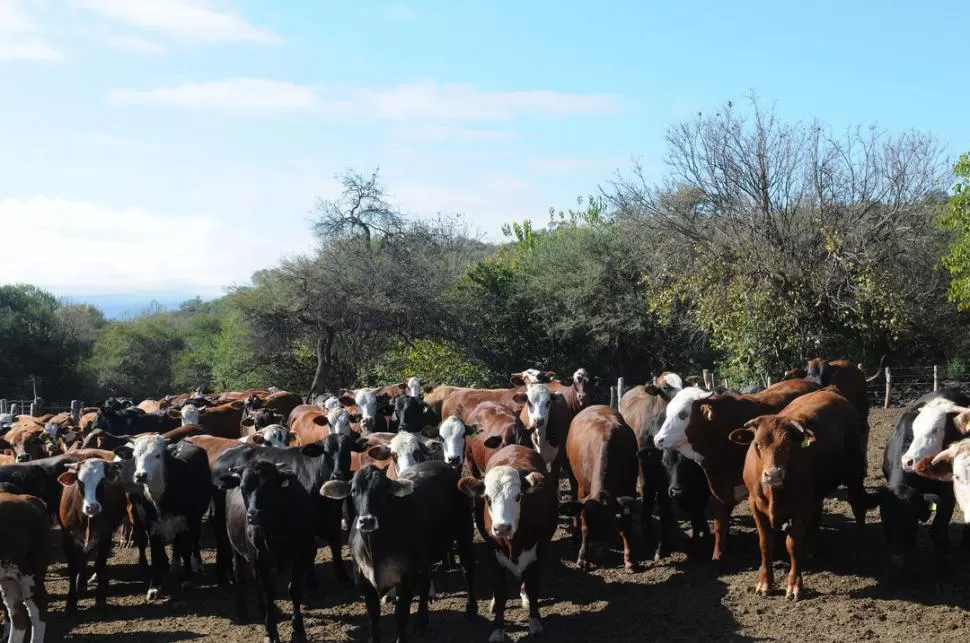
column 402, row 528
column 266, row 510
column 452, row 434
column 173, row 492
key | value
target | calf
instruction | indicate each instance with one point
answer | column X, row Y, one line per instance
column 910, row 498
column 574, row 390
column 24, row 543
column 952, row 465
column 452, row 433
column 689, row 492
column 93, row 506
column 174, row 490
column 794, row 460
column 601, row 452
column 496, row 427
column 547, row 416
column 698, row 424
column 518, row 525
column 409, row 415
column 402, row 528
column 266, row 509
column 372, row 408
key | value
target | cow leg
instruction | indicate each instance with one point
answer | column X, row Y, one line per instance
column 424, row 589
column 626, row 532
column 266, row 590
column 530, row 578
column 140, row 536
column 965, row 542
column 295, row 590
column 240, row 571
column 648, row 494
column 765, row 541
column 100, row 566
column 72, row 553
column 223, row 548
column 500, row 595
column 722, row 522
column 665, row 513
column 467, row 558
column 581, row 559
column 402, row 611
column 940, row 534
column 159, row 567
column 699, row 530
column 373, row 603
column 35, row 602
column 794, row 543
column 16, row 611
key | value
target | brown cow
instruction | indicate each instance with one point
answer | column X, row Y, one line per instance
column 93, row 506
column 602, row 454
column 24, row 541
column 794, row 460
column 435, row 396
column 848, row 378
column 27, row 443
column 574, row 390
column 546, row 415
column 495, row 427
column 698, row 423
column 518, row 527
column 464, row 402
column 223, row 420
column 150, row 406
column 531, row 376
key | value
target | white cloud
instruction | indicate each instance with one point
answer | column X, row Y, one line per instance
column 450, row 134
column 562, row 165
column 21, row 36
column 190, row 20
column 235, row 95
column 410, row 103
column 135, row 44
column 90, row 248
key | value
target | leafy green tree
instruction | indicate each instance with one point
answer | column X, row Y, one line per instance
column 956, row 219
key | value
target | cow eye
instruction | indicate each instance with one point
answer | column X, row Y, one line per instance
column 518, row 497
column 682, row 415
column 488, row 501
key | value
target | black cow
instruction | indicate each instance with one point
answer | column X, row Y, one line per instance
column 174, row 490
column 311, row 470
column 410, row 414
column 266, row 509
column 689, row 492
column 132, row 421
column 909, row 498
column 403, row 527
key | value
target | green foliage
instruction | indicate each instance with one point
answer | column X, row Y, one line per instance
column 956, row 219
column 434, row 362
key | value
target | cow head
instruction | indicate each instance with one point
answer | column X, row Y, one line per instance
column 773, row 439
column 191, row 414
column 336, row 448
column 406, row 450
column 370, row 490
column 149, row 456
column 453, row 433
column 532, row 376
column 339, row 421
column 262, row 418
column 537, row 403
column 274, row 435
column 952, row 464
column 667, row 385
column 673, row 432
column 413, row 387
column 937, row 423
column 368, row 404
column 503, row 488
column 90, row 476
column 264, row 487
column 581, row 382
column 407, row 414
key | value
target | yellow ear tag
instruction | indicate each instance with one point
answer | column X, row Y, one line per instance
column 932, row 506
column 805, row 442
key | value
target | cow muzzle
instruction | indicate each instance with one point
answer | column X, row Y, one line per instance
column 23, row 457
column 675, row 492
column 368, row 423
column 92, row 509
column 141, row 477
column 253, row 517
column 367, row 523
column 773, row 477
column 502, row 530
column 454, row 461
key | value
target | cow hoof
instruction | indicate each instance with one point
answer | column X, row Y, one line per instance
column 491, row 607
column 498, row 636
column 93, row 579
column 187, row 585
column 152, row 595
column 525, row 601
column 471, row 609
column 762, row 589
column 343, row 524
column 196, row 566
column 628, row 567
column 432, row 594
column 535, row 627
column 793, row 594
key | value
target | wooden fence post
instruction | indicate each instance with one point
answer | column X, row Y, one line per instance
column 936, row 377
column 889, row 386
column 14, row 409
column 708, row 382
column 619, row 391
column 33, row 409
column 76, row 411
column 769, row 381
column 612, row 397
column 3, row 406
column 727, row 383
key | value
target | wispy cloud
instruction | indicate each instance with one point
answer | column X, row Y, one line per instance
column 21, row 36
column 134, row 44
column 450, row 134
column 235, row 95
column 109, row 141
column 420, row 103
column 562, row 165
column 191, row 20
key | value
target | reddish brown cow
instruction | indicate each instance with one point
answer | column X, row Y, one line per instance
column 24, row 541
column 150, row 406
column 361, row 459
column 574, row 390
column 794, row 460
column 308, row 422
column 496, row 427
column 698, row 424
column 93, row 506
column 847, row 377
column 518, row 527
column 435, row 396
column 223, row 420
column 463, row 403
column 601, row 452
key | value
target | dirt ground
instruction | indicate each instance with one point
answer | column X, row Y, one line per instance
column 669, row 600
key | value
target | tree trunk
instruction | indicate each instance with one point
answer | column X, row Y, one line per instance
column 324, row 347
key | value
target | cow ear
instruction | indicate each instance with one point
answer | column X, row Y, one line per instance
column 743, row 436
column 379, row 452
column 67, row 478
column 707, row 411
column 312, row 450
column 248, row 422
column 387, row 409
column 229, row 480
column 124, row 452
column 472, row 487
column 112, row 471
column 962, row 422
column 346, row 400
column 548, row 376
column 290, row 438
column 931, row 500
column 403, row 386
column 256, row 438
column 5, row 445
column 533, row 482
column 321, row 420
column 471, row 429
column 516, row 379
column 172, row 413
column 571, row 509
column 652, row 389
column 360, row 445
column 335, row 489
column 520, row 398
column 431, row 446
column 235, row 405
column 428, row 389
column 401, row 487
column 493, row 442
column 807, row 436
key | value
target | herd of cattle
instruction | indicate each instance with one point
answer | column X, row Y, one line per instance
column 410, row 472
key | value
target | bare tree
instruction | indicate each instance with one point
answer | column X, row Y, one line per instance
column 361, row 210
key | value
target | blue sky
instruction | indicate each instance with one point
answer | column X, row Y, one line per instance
column 173, row 147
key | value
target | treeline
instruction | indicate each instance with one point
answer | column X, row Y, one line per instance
column 767, row 243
